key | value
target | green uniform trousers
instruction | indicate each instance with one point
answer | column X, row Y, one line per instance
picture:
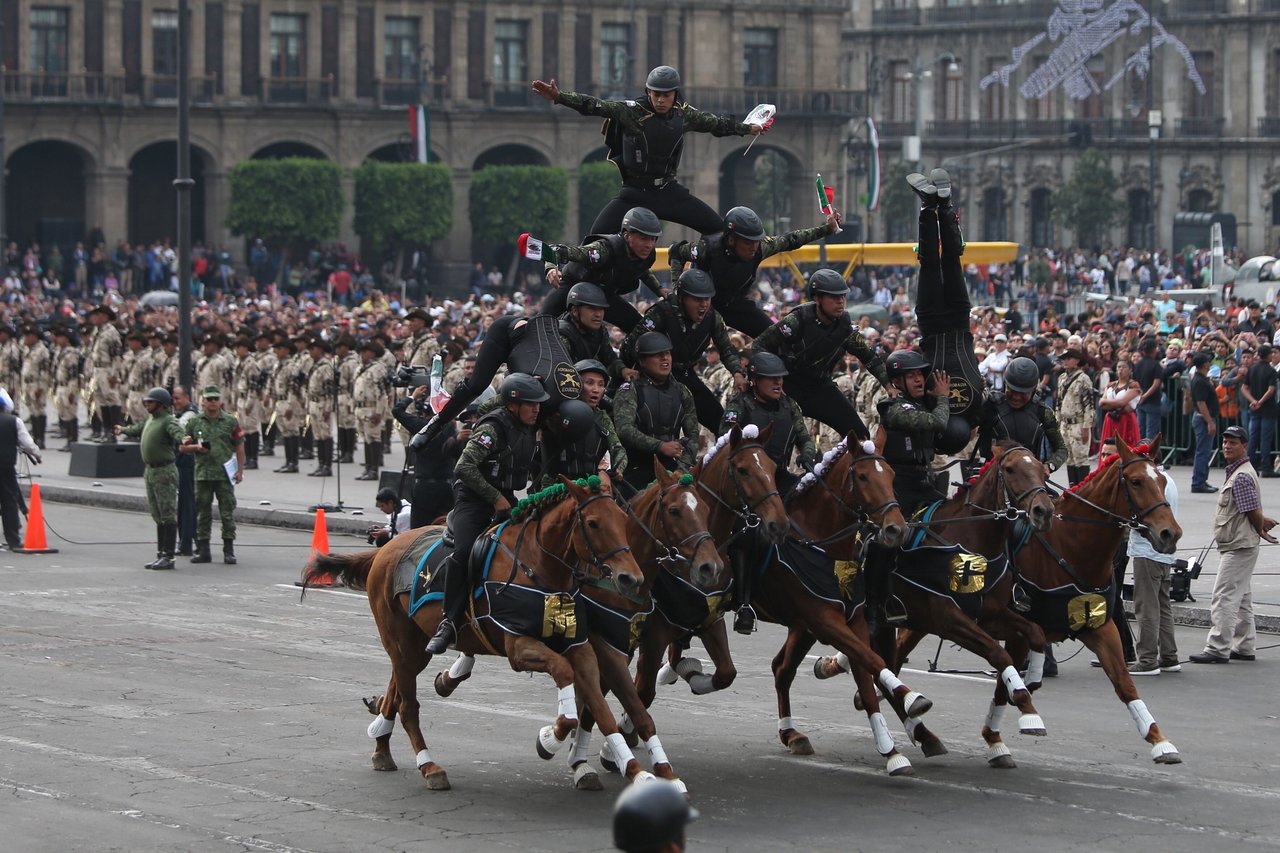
column 162, row 493
column 206, row 490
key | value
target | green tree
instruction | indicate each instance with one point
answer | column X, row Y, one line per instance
column 898, row 204
column 1088, row 202
column 402, row 205
column 506, row 201
column 598, row 183
column 289, row 203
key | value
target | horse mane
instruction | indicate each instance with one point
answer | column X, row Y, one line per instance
column 749, row 432
column 973, row 481
column 1103, row 466
column 825, row 464
column 550, row 496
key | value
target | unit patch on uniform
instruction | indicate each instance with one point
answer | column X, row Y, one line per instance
column 649, row 324
column 786, row 331
column 693, row 253
column 485, row 440
column 593, row 255
column 731, row 417
column 568, row 383
column 624, row 386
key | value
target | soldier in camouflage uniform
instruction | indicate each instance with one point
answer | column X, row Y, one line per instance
column 160, row 433
column 594, row 444
column 458, row 372
column 869, row 395
column 214, row 436
column 137, row 371
column 266, row 361
column 37, row 378
column 247, row 400
column 655, row 415
column 213, row 366
column 170, row 364
column 421, row 346
column 371, row 385
column 300, row 363
column 10, row 361
column 105, row 351
column 732, row 258
column 286, row 393
column 322, row 387
column 1074, row 402
column 68, row 370
column 645, row 138
column 717, row 377
column 348, row 364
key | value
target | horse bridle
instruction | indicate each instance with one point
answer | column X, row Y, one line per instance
column 576, row 573
column 745, row 511
column 1135, row 520
column 1010, row 511
column 863, row 518
column 671, row 554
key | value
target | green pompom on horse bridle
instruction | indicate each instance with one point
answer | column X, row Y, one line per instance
column 551, row 494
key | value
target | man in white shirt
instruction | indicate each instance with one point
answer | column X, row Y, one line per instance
column 992, row 367
column 398, row 514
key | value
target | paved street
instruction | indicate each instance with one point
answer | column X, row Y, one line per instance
column 210, row 709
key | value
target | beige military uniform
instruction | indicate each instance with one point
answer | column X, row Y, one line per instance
column 138, row 372
column 421, row 348
column 217, row 369
column 319, row 395
column 719, row 380
column 11, row 368
column 372, row 402
column 67, row 380
column 1074, row 404
column 105, row 351
column 37, row 378
column 246, row 395
column 870, row 393
column 347, row 368
column 287, row 382
column 453, row 377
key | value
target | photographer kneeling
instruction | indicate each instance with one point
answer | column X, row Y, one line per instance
column 433, row 462
column 398, row 517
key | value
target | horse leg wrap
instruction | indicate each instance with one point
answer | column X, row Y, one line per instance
column 381, row 726
column 461, row 667
column 1141, row 716
column 547, row 739
column 898, row 765
column 618, row 749
column 994, row 716
column 909, row 702
column 568, row 702
column 581, row 770
column 785, row 724
column 424, row 757
column 1012, row 681
column 625, row 725
column 889, row 681
column 996, row 751
column 880, row 731
column 686, row 668
column 607, row 759
column 1035, row 668
column 910, row 725
column 667, row 674
column 657, row 755
column 1161, row 750
column 581, row 749
column 701, row 684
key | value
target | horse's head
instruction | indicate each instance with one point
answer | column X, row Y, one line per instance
column 682, row 525
column 1142, row 484
column 599, row 538
column 869, row 481
column 1021, row 477
column 740, row 475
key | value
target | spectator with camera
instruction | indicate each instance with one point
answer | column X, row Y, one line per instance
column 399, row 517
column 433, row 462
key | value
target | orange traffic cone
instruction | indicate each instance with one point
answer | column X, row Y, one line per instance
column 35, row 542
column 320, row 545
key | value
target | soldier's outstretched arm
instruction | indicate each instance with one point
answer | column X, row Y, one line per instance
column 480, row 447
column 800, row 237
column 596, row 252
column 587, row 105
column 716, row 125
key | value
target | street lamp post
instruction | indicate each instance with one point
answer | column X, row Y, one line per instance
column 912, row 146
column 1153, row 128
column 183, row 184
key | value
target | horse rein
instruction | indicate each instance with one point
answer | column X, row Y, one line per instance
column 745, row 511
column 670, row 555
column 1135, row 520
column 1008, row 513
column 576, row 574
column 864, row 519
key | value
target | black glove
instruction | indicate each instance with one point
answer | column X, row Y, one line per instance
column 427, row 434
column 805, row 463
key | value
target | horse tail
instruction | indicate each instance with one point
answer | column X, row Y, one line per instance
column 353, row 569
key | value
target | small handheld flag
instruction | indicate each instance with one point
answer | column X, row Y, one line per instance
column 761, row 116
column 530, row 247
column 826, row 196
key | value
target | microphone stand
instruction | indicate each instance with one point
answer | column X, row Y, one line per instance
column 337, row 454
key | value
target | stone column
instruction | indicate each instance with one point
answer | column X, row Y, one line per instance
column 455, row 251
column 347, row 51
column 231, row 56
column 106, row 200
column 217, row 201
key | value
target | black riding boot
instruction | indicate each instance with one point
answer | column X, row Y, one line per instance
column 290, row 465
column 745, row 620
column 202, row 554
column 37, row 430
column 456, row 584
column 269, row 441
column 251, row 451
column 72, row 433
column 306, row 445
column 229, row 551
column 346, row 445
column 324, row 466
column 369, row 473
column 95, row 425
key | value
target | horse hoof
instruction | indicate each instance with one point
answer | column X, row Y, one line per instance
column 546, row 743
column 799, row 744
column 687, row 668
column 933, row 748
column 384, row 761
column 374, row 704
column 919, row 705
column 1002, row 762
column 446, row 684
column 820, row 669
column 1165, row 752
column 437, row 780
column 1031, row 724
column 643, row 776
column 898, row 765
column 586, row 779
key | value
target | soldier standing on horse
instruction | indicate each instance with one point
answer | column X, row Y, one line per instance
column 581, row 440
column 645, row 138
column 690, row 323
column 655, row 414
column 495, row 464
column 1018, row 417
column 732, row 258
column 1074, row 401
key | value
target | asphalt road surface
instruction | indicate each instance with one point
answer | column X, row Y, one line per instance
column 210, row 709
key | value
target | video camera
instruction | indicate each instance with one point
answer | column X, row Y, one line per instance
column 411, row 376
column 1180, row 579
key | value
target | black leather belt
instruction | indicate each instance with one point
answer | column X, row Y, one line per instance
column 648, row 183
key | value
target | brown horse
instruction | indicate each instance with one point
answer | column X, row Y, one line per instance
column 533, row 554
column 977, row 519
column 667, row 531
column 848, row 501
column 737, row 476
column 1066, row 572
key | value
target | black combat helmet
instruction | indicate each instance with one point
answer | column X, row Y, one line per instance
column 642, row 220
column 590, row 364
column 574, row 419
column 827, row 281
column 586, row 293
column 696, row 283
column 743, row 222
column 522, row 388
column 653, row 343
column 664, row 78
column 159, row 395
column 903, row 361
column 766, row 364
column 1021, row 375
column 650, row 816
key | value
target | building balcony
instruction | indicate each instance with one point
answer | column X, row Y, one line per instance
column 895, row 17
column 1269, row 126
column 77, row 88
column 1201, row 126
column 810, row 103
column 296, row 91
column 164, row 90
column 895, row 129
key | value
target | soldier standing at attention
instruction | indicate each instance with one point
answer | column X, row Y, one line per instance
column 348, row 364
column 37, row 376
column 372, row 405
column 288, row 409
column 105, row 351
column 247, row 396
column 421, row 346
column 690, row 323
column 645, row 138
column 214, row 436
column 67, row 372
column 266, row 361
column 137, row 370
column 655, row 415
column 1074, row 400
column 160, row 433
column 213, row 367
column 811, row 340
column 732, row 259
column 321, row 399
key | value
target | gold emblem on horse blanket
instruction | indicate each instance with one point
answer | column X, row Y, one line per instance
column 968, row 573
column 1086, row 612
column 715, row 609
column 559, row 617
column 847, row 576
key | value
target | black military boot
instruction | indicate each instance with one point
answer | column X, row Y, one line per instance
column 306, row 446
column 111, row 416
column 744, row 622
column 369, row 473
column 202, row 554
column 251, row 451
column 95, row 425
column 159, row 548
column 38, row 423
column 324, row 451
column 72, row 434
column 290, row 465
column 168, row 544
column 924, row 188
column 269, row 441
column 229, row 551
column 346, row 445
column 941, row 180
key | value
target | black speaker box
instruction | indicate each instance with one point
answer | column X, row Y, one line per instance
column 102, row 461
column 390, row 479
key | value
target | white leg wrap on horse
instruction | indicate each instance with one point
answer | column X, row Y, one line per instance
column 1035, row 668
column 381, row 726
column 1141, row 716
column 680, row 786
column 995, row 714
column 581, row 750
column 842, row 661
column 909, row 700
column 547, row 737
column 657, row 755
column 667, row 674
column 1164, row 747
column 462, row 666
column 606, row 755
column 880, row 730
column 997, row 750
column 568, row 702
column 910, row 725
column 1012, row 681
column 688, row 667
column 785, row 724
column 424, row 757
column 625, row 724
column 896, row 763
column 701, row 684
column 622, row 755
column 889, row 681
